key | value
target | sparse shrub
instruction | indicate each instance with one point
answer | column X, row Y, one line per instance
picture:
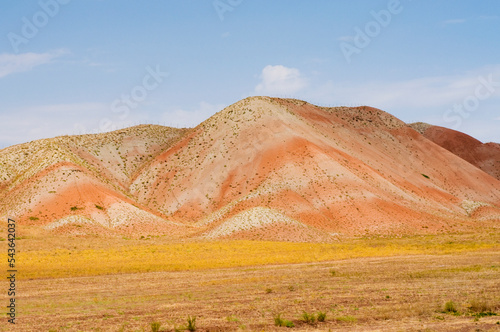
column 478, row 315
column 481, row 306
column 308, row 318
column 269, row 290
column 232, row 318
column 450, row 307
column 191, row 323
column 425, row 176
column 74, row 208
column 333, row 272
column 278, row 321
column 155, row 326
column 34, row 218
column 291, row 288
column 321, row 316
column 99, row 207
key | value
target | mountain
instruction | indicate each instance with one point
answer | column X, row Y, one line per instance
column 70, row 182
column 262, row 168
column 485, row 156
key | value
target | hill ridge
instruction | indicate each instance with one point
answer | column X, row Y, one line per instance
column 347, row 170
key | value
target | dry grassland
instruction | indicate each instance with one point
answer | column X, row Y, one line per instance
column 361, row 284
column 71, row 257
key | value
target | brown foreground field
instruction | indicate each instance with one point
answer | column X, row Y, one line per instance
column 451, row 284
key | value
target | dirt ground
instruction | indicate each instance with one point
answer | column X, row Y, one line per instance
column 402, row 293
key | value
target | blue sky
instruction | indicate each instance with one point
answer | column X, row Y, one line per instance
column 81, row 66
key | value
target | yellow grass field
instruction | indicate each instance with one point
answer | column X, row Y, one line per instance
column 397, row 293
column 360, row 284
column 134, row 256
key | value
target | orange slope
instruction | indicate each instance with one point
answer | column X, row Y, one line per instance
column 56, row 184
column 484, row 156
column 263, row 168
column 349, row 170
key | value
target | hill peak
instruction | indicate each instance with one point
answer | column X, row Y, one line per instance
column 420, row 127
column 311, row 170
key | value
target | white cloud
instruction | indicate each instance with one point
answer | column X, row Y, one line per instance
column 346, row 38
column 432, row 91
column 455, row 21
column 485, row 131
column 65, row 110
column 280, row 80
column 426, row 99
column 191, row 118
column 36, row 122
column 15, row 63
column 46, row 121
column 489, row 17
